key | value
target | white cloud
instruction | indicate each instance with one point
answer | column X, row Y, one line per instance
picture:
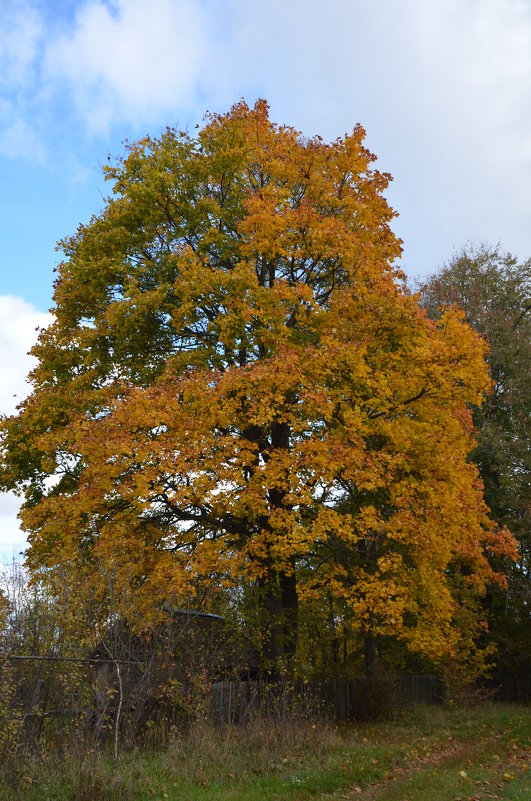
column 464, row 174
column 18, row 139
column 22, row 33
column 18, row 321
column 12, row 539
column 130, row 60
column 20, row 49
column 444, row 90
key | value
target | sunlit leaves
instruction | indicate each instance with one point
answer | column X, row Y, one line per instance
column 243, row 391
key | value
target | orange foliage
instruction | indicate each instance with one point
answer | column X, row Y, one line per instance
column 237, row 387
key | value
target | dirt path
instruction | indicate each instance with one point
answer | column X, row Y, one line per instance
column 470, row 771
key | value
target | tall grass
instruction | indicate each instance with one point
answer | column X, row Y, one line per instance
column 441, row 753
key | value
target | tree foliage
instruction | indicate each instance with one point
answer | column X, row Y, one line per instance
column 238, row 395
column 494, row 290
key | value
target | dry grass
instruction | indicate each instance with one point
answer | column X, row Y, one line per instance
column 422, row 755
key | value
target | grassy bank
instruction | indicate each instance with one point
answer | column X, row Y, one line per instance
column 430, row 753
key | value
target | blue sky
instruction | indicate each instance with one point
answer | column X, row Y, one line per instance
column 442, row 87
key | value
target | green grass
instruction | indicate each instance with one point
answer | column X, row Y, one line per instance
column 430, row 754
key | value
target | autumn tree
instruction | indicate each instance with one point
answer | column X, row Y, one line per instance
column 237, row 391
column 494, row 291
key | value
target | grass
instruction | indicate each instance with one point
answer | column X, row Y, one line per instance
column 430, row 753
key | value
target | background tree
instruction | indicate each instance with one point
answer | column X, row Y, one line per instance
column 494, row 290
column 238, row 388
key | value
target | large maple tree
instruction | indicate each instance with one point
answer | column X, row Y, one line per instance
column 237, row 389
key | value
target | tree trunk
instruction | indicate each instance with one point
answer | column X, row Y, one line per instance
column 278, row 588
column 289, row 605
column 280, row 620
column 370, row 655
column 287, row 581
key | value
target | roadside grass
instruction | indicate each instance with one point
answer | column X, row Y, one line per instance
column 427, row 754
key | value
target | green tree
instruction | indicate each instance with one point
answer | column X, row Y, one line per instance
column 494, row 290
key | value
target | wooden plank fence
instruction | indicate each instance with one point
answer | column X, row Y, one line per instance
column 336, row 699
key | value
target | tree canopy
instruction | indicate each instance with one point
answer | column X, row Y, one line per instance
column 494, row 291
column 238, row 392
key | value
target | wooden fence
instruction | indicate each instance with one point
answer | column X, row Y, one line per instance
column 336, row 699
